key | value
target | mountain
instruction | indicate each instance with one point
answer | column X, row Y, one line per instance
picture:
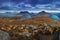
column 27, row 15
column 7, row 15
column 58, row 14
column 55, row 17
column 23, row 15
column 42, row 14
column 32, row 14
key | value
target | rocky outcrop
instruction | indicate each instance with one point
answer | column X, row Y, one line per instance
column 4, row 35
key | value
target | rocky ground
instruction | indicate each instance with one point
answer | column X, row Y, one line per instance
column 30, row 29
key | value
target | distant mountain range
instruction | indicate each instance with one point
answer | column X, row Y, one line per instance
column 27, row 15
column 43, row 14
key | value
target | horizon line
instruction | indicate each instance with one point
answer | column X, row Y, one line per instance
column 34, row 11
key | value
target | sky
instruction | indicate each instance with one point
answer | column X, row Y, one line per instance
column 29, row 5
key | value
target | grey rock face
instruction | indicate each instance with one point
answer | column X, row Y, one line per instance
column 4, row 35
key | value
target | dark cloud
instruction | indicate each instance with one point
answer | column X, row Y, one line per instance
column 34, row 2
column 29, row 4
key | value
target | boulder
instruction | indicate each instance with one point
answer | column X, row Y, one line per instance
column 4, row 35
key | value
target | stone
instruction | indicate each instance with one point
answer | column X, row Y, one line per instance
column 4, row 35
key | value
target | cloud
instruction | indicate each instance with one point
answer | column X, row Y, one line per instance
column 57, row 2
column 28, row 6
column 10, row 6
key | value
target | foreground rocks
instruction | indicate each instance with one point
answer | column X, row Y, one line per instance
column 31, row 29
column 4, row 35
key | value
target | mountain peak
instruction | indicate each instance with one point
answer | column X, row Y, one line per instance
column 24, row 12
column 43, row 12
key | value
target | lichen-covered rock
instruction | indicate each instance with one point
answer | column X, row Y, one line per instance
column 4, row 35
